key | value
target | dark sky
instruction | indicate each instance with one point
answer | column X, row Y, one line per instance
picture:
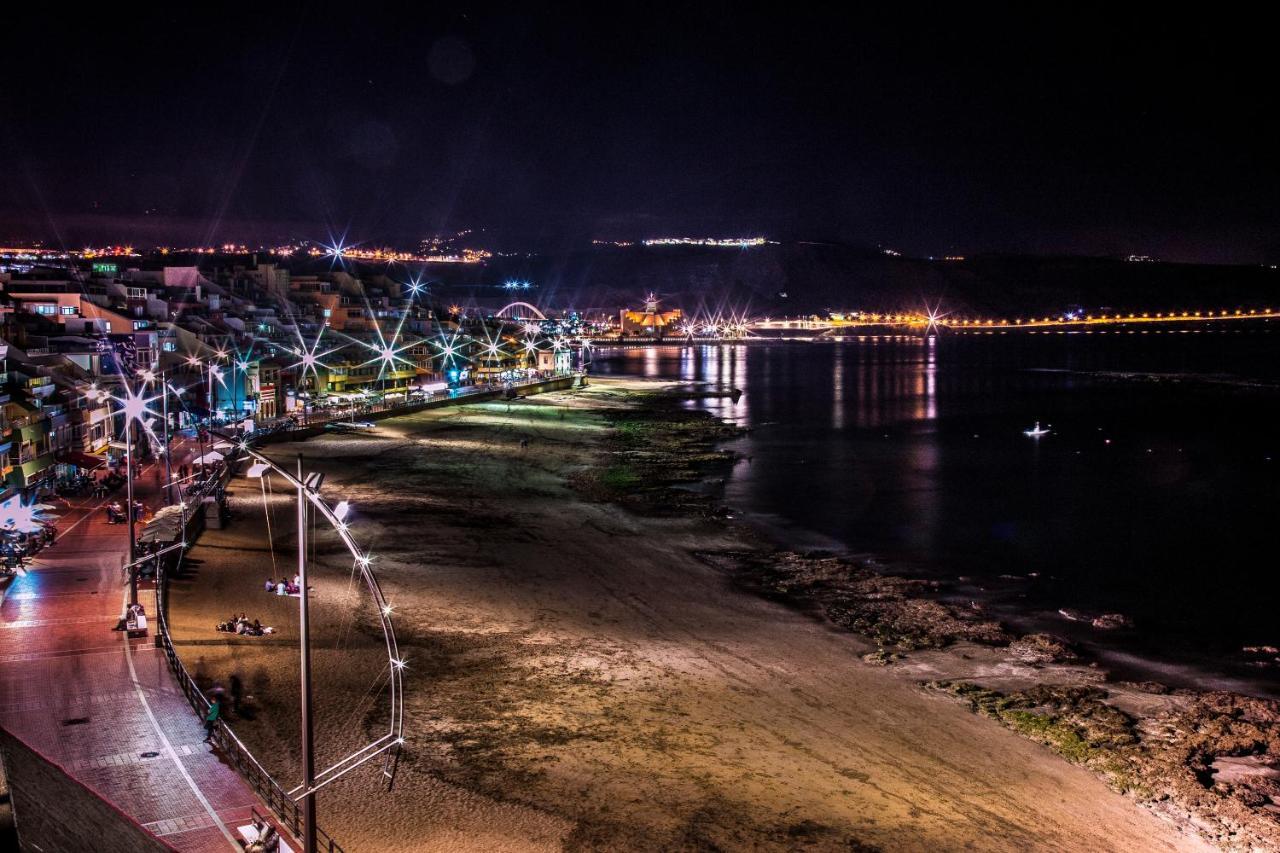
column 1097, row 133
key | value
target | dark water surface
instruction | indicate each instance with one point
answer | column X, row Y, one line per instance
column 1155, row 500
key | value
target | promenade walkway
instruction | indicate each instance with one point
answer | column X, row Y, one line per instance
column 105, row 708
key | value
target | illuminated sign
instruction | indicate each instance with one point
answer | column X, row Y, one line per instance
column 104, row 268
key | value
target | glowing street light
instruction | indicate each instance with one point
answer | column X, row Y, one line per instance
column 415, row 287
column 135, row 407
column 310, row 357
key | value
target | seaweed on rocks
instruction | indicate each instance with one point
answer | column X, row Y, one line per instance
column 1212, row 764
column 895, row 612
column 1042, row 649
column 655, row 447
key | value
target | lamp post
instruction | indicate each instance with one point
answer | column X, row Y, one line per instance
column 134, row 407
column 149, row 377
column 211, row 370
column 133, row 545
column 213, row 403
column 304, row 623
column 168, row 449
column 261, row 469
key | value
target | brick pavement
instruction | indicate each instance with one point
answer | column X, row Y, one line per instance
column 106, row 709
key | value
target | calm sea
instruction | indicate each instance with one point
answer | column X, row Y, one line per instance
column 1159, row 501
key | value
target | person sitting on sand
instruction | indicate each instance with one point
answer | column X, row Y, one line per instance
column 280, row 590
column 271, row 585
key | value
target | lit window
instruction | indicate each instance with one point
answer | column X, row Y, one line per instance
column 68, row 309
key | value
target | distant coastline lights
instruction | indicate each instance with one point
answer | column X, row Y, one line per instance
column 715, row 242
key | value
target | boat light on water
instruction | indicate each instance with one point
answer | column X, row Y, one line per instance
column 1036, row 431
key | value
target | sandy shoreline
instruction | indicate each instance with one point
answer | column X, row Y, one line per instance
column 581, row 677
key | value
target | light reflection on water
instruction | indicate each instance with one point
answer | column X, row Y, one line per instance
column 1152, row 500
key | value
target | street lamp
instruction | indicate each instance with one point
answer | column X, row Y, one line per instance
column 135, row 407
column 212, row 371
column 149, row 377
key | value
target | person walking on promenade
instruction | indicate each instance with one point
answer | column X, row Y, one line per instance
column 211, row 718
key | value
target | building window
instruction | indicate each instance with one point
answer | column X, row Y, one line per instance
column 46, row 309
column 68, row 310
column 169, row 346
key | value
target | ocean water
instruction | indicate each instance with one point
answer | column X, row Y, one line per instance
column 1156, row 500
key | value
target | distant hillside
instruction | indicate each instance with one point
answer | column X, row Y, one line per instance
column 799, row 278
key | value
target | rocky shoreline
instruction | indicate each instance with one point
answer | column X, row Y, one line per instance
column 1210, row 763
column 1207, row 761
column 656, row 450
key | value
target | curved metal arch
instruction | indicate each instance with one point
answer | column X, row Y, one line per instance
column 504, row 311
column 394, row 739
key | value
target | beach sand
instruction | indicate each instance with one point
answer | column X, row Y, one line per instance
column 578, row 679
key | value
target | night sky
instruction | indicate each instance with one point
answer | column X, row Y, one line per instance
column 1094, row 133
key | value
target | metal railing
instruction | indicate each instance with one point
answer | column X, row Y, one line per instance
column 276, row 798
column 272, row 793
column 281, row 803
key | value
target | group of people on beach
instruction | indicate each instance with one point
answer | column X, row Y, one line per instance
column 284, row 586
column 241, row 625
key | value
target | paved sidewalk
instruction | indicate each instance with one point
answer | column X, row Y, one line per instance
column 109, row 711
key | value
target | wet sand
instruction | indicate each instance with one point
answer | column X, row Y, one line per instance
column 579, row 679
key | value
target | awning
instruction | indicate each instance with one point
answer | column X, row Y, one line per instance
column 83, row 461
column 165, row 527
column 209, row 458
